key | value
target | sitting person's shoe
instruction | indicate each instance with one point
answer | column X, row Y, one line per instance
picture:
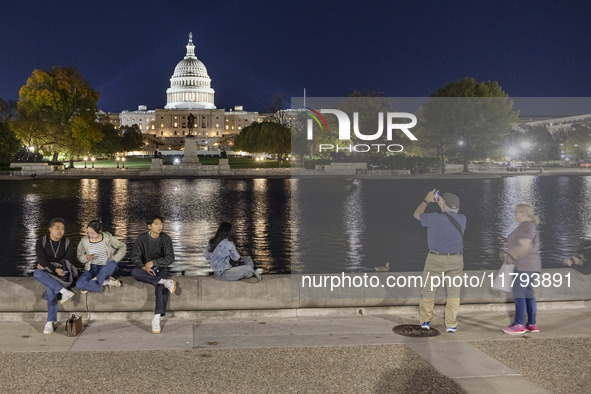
column 450, row 329
column 48, row 328
column 426, row 326
column 155, row 326
column 259, row 271
column 83, row 292
column 170, row 285
column 112, row 282
column 515, row 329
column 532, row 328
column 66, row 295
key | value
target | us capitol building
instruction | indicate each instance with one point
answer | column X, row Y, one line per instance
column 189, row 102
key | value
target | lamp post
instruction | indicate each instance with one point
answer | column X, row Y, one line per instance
column 85, row 160
column 512, row 153
column 525, row 145
column 117, row 158
column 123, row 161
column 93, row 159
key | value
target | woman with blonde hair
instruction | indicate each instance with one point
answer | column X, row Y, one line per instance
column 523, row 250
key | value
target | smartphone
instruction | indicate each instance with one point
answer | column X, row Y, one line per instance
column 436, row 196
column 64, row 272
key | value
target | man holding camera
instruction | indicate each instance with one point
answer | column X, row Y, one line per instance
column 445, row 259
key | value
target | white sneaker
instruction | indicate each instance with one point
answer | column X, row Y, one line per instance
column 259, row 271
column 170, row 285
column 66, row 295
column 155, row 326
column 112, row 282
column 48, row 328
column 83, row 292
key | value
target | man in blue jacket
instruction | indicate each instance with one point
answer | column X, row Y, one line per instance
column 445, row 261
column 152, row 254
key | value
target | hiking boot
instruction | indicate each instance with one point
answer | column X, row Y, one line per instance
column 515, row 329
column 48, row 328
column 532, row 328
column 426, row 326
column 155, row 326
column 112, row 282
column 66, row 295
column 170, row 285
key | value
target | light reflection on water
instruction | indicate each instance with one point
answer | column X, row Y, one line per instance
column 305, row 225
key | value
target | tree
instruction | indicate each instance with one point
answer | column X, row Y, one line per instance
column 276, row 138
column 111, row 143
column 9, row 144
column 542, row 143
column 8, row 110
column 58, row 112
column 265, row 137
column 467, row 118
column 578, row 140
column 132, row 138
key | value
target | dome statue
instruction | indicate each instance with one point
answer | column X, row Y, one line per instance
column 190, row 85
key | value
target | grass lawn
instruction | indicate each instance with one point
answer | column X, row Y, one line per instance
column 133, row 162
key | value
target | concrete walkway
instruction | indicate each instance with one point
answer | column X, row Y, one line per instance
column 347, row 353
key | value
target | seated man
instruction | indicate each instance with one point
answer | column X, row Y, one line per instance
column 54, row 268
column 152, row 254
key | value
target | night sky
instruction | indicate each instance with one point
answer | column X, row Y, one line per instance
column 253, row 50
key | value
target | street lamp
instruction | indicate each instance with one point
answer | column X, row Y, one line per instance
column 525, row 145
column 93, row 159
column 513, row 151
column 85, row 160
column 117, row 158
column 123, row 161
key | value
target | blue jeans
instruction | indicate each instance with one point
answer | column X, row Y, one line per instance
column 523, row 293
column 101, row 272
column 53, row 288
column 237, row 273
column 160, row 291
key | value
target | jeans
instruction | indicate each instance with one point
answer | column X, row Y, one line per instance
column 53, row 288
column 101, row 272
column 237, row 273
column 523, row 294
column 161, row 292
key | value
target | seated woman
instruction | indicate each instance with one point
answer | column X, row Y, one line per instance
column 99, row 252
column 224, row 259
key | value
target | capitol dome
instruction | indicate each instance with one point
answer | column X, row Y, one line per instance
column 190, row 86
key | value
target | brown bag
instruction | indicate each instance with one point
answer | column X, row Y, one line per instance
column 74, row 326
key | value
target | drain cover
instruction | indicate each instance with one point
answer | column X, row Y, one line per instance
column 415, row 330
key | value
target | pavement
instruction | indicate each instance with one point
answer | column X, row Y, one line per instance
column 329, row 352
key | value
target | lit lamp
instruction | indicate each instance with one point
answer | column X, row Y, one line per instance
column 525, row 145
column 85, row 160
column 512, row 152
column 123, row 161
column 93, row 159
column 117, row 158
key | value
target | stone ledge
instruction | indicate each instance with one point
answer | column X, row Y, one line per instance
column 275, row 292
